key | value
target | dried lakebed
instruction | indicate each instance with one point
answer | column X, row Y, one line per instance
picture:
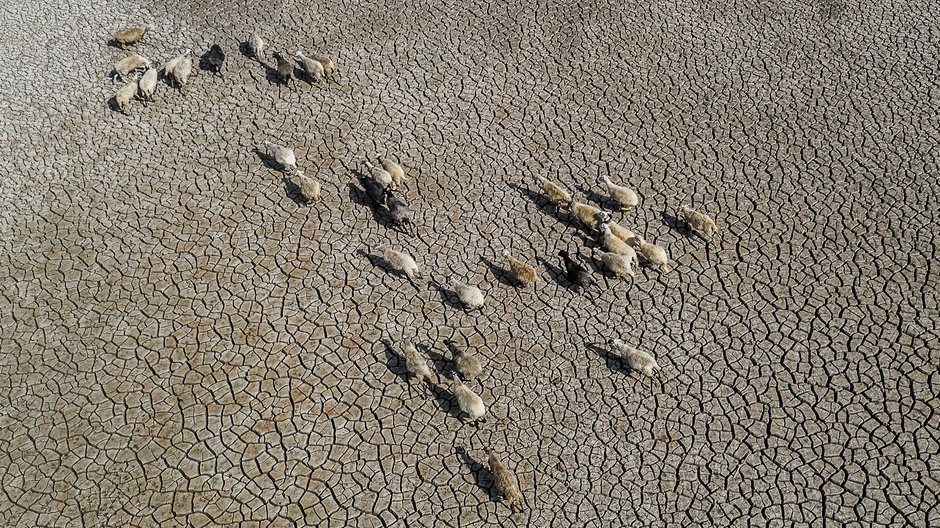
column 183, row 342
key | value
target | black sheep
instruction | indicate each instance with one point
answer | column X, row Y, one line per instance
column 577, row 274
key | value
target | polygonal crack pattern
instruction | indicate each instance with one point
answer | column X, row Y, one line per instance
column 183, row 342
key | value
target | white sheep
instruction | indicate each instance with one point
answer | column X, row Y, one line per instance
column 620, row 265
column 470, row 296
column 470, row 402
column 625, row 196
column 284, row 156
column 256, row 46
column 309, row 187
column 604, row 217
column 614, row 243
column 125, row 95
column 173, row 63
column 654, row 255
column 148, row 84
column 394, row 170
column 585, row 214
column 182, row 70
column 638, row 360
column 311, row 67
column 128, row 64
column 398, row 260
column 700, row 223
column 380, row 175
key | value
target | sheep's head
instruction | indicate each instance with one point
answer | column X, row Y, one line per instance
column 614, row 342
column 603, row 216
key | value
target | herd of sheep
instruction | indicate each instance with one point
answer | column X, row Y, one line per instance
column 381, row 182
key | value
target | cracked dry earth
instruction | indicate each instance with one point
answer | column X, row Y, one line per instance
column 183, row 343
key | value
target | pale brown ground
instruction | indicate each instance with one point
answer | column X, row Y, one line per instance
column 182, row 343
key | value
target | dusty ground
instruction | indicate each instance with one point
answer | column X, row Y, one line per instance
column 182, row 343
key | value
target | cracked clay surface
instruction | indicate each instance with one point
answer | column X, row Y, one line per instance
column 183, row 342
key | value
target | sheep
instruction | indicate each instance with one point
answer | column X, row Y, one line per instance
column 700, row 223
column 504, row 480
column 128, row 64
column 309, row 187
column 622, row 195
column 284, row 156
column 470, row 296
column 620, row 265
column 148, row 84
column 416, row 363
column 394, row 170
column 523, row 273
column 311, row 67
column 638, row 360
column 285, row 69
column 467, row 364
column 215, row 57
column 616, row 245
column 182, row 70
column 556, row 194
column 612, row 242
column 585, row 214
column 398, row 210
column 576, row 274
column 125, row 95
column 127, row 36
column 256, row 46
column 170, row 65
column 654, row 255
column 470, row 402
column 174, row 62
column 604, row 217
column 380, row 175
column 398, row 260
column 329, row 67
column 620, row 232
